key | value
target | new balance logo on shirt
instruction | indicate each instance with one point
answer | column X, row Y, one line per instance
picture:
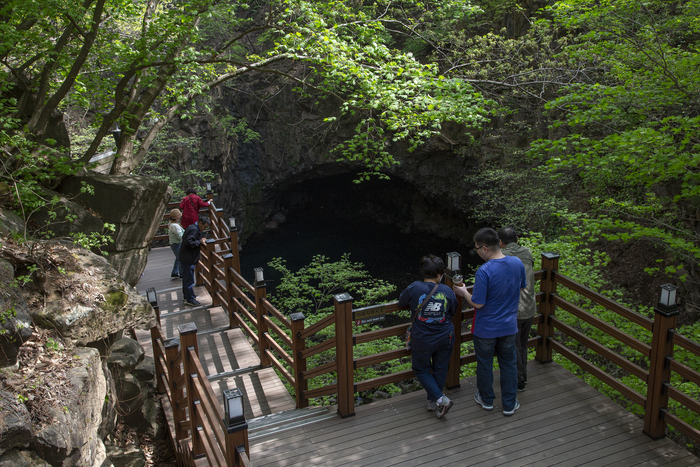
column 435, row 310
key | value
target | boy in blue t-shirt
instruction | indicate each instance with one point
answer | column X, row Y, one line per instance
column 496, row 296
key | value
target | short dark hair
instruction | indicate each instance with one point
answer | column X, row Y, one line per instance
column 431, row 267
column 508, row 235
column 204, row 219
column 190, row 191
column 486, row 237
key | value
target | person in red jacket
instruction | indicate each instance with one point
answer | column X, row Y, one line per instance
column 190, row 208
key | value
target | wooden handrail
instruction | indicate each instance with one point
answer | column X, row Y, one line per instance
column 318, row 326
column 320, row 370
column 633, row 395
column 604, row 301
column 381, row 357
column 318, row 348
column 623, row 337
column 277, row 364
column 581, row 338
column 685, row 428
column 275, row 312
column 685, row 343
column 685, row 371
column 278, row 331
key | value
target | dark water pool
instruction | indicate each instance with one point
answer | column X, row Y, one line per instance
column 386, row 252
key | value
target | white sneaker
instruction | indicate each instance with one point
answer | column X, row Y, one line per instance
column 508, row 413
column 477, row 398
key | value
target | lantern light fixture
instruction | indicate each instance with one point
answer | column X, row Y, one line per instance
column 151, row 296
column 234, row 415
column 232, row 223
column 668, row 298
column 208, row 187
column 259, row 279
column 453, row 260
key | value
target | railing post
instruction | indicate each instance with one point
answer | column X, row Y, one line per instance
column 659, row 372
column 234, row 250
column 219, row 220
column 188, row 342
column 198, row 266
column 235, row 440
column 453, row 370
column 236, row 427
column 228, row 277
column 298, row 345
column 260, row 293
column 211, row 247
column 176, row 393
column 344, row 355
column 548, row 286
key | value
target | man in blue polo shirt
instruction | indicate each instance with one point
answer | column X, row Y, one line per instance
column 496, row 296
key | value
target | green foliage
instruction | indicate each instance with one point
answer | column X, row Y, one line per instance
column 524, row 199
column 310, row 290
column 631, row 127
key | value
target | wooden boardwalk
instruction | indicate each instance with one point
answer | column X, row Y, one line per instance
column 221, row 350
column 561, row 422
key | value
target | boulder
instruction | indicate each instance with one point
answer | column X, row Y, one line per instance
column 135, row 204
column 15, row 321
column 15, row 423
column 129, row 456
column 16, row 458
column 134, row 377
column 73, row 437
column 10, row 222
column 93, row 302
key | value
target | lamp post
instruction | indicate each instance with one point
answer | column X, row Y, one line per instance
column 232, row 224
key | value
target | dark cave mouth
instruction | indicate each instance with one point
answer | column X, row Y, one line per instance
column 384, row 224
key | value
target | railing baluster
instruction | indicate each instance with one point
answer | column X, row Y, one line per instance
column 453, row 369
column 263, row 345
column 298, row 345
column 344, row 354
column 176, row 393
column 188, row 340
column 548, row 285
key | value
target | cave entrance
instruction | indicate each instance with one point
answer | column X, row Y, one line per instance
column 384, row 224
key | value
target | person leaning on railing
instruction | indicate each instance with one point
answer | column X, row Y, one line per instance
column 189, row 257
column 432, row 332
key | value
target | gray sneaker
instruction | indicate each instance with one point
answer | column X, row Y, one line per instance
column 508, row 413
column 477, row 398
column 444, row 407
column 432, row 406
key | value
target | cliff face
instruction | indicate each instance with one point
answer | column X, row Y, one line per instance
column 261, row 179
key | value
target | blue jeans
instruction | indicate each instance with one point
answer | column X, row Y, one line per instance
column 524, row 326
column 188, row 281
column 177, row 268
column 435, row 357
column 504, row 349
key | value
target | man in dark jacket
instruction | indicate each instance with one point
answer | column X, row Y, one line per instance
column 527, row 308
column 189, row 257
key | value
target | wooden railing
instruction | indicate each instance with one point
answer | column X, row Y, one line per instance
column 282, row 341
column 197, row 425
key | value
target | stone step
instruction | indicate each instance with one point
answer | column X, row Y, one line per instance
column 287, row 420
